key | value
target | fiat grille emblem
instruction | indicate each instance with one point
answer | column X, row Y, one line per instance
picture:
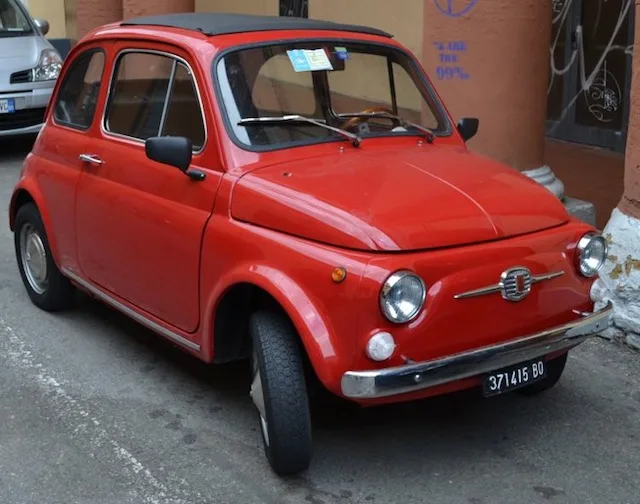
column 515, row 284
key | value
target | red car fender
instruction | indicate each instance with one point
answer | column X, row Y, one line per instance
column 28, row 186
column 316, row 334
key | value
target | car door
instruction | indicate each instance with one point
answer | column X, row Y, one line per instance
column 70, row 131
column 139, row 222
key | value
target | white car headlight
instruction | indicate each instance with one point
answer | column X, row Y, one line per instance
column 591, row 254
column 402, row 296
column 48, row 67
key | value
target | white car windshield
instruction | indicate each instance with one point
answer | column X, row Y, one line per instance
column 303, row 92
column 12, row 19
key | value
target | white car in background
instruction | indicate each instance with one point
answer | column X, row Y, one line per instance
column 29, row 67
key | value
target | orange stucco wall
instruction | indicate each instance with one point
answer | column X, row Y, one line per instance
column 630, row 203
column 134, row 8
column 93, row 13
column 490, row 59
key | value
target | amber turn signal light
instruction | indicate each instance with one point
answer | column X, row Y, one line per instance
column 339, row 274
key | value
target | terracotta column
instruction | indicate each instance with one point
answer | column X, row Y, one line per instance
column 620, row 277
column 134, row 8
column 93, row 13
column 490, row 59
column 630, row 203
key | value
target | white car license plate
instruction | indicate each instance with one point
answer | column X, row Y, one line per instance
column 514, row 377
column 7, row 106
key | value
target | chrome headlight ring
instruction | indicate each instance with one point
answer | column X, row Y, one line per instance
column 402, row 296
column 591, row 253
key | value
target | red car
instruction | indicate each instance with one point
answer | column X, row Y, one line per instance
column 294, row 192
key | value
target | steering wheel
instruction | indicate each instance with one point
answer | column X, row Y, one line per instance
column 354, row 121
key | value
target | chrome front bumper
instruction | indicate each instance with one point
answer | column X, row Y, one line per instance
column 414, row 377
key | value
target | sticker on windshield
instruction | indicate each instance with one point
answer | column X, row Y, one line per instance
column 341, row 53
column 307, row 60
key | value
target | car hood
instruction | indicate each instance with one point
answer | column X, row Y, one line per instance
column 20, row 52
column 394, row 200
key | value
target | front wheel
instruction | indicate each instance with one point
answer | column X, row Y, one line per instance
column 45, row 284
column 555, row 368
column 279, row 392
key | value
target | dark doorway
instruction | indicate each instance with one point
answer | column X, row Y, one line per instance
column 591, row 49
column 294, row 8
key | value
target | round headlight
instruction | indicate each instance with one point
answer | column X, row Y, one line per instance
column 591, row 254
column 402, row 296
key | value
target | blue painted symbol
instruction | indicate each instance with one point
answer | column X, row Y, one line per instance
column 454, row 8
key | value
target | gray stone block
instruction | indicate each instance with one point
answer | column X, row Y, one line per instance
column 633, row 340
column 583, row 210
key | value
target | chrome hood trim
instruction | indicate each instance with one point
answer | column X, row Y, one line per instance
column 498, row 287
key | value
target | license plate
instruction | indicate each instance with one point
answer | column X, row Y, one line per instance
column 514, row 377
column 7, row 106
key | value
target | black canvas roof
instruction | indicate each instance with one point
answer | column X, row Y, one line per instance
column 220, row 24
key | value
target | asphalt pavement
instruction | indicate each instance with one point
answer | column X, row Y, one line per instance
column 95, row 409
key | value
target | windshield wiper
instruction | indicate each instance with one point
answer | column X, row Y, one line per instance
column 355, row 139
column 403, row 122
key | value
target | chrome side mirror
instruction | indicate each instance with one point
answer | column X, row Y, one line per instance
column 42, row 24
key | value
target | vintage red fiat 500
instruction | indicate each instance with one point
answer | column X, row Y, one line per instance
column 294, row 192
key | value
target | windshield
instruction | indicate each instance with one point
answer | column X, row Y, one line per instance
column 366, row 89
column 12, row 19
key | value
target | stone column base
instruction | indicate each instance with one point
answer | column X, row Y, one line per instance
column 583, row 210
column 545, row 176
column 619, row 279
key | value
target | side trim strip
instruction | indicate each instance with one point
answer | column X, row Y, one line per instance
column 141, row 319
column 490, row 289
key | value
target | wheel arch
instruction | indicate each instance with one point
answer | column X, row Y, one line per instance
column 19, row 198
column 263, row 287
column 231, row 319
column 23, row 195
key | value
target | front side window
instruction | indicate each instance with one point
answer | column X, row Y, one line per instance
column 274, row 96
column 76, row 102
column 154, row 95
column 184, row 117
column 12, row 19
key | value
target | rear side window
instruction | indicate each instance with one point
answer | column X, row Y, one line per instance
column 76, row 102
column 153, row 95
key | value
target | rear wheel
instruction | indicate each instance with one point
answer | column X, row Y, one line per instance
column 279, row 392
column 45, row 284
column 555, row 368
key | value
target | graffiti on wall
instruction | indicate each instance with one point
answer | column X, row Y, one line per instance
column 455, row 8
column 449, row 54
column 600, row 88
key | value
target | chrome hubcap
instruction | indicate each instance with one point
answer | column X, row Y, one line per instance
column 258, row 397
column 34, row 258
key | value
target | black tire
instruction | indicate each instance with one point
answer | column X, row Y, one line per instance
column 55, row 292
column 555, row 368
column 286, row 425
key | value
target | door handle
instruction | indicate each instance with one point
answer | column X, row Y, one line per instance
column 90, row 158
